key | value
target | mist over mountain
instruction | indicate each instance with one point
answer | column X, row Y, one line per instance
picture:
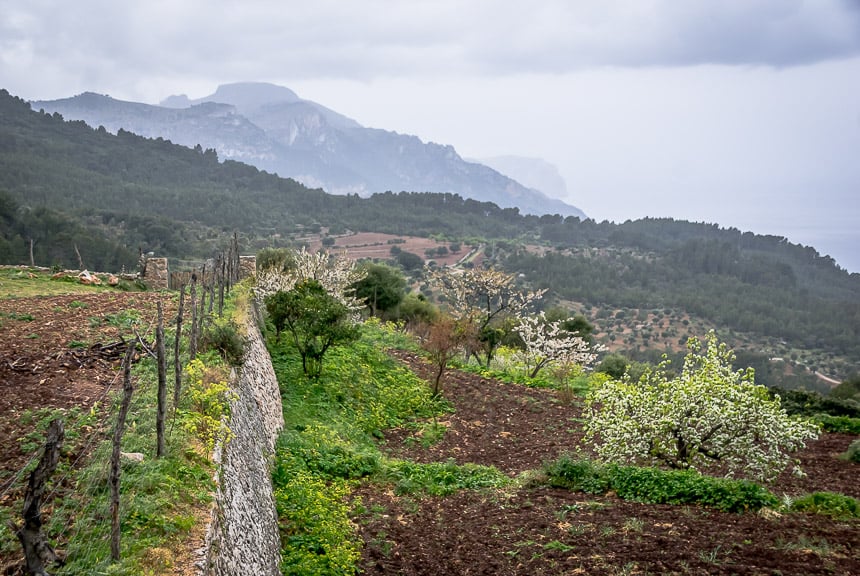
column 270, row 127
column 536, row 173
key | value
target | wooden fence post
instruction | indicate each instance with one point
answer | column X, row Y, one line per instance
column 37, row 551
column 127, row 390
column 161, row 359
column 177, row 364
column 192, row 338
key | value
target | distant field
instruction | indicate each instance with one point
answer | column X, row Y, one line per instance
column 378, row 246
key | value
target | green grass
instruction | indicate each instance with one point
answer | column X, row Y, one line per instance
column 160, row 498
column 331, row 442
column 27, row 282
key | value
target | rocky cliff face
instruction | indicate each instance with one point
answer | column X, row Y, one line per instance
column 243, row 534
column 273, row 129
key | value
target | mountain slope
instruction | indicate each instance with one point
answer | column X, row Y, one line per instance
column 273, row 129
column 62, row 183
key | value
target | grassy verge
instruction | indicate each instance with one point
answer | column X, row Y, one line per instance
column 163, row 502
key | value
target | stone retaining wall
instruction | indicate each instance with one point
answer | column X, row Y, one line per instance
column 243, row 534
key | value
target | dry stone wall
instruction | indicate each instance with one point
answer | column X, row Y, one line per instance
column 243, row 534
column 157, row 276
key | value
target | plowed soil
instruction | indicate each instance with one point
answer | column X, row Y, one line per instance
column 52, row 355
column 553, row 532
column 47, row 359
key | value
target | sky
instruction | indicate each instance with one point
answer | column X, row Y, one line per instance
column 744, row 113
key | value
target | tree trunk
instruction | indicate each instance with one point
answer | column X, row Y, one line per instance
column 161, row 358
column 80, row 260
column 37, row 551
column 127, row 390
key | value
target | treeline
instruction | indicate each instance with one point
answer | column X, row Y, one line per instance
column 41, row 235
column 67, row 184
column 749, row 294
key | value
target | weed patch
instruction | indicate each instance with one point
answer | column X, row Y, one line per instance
column 440, row 478
column 828, row 503
column 655, row 486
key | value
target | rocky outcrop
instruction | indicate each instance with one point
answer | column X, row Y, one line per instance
column 243, row 534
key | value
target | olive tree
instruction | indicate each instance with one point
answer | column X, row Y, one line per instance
column 382, row 288
column 709, row 416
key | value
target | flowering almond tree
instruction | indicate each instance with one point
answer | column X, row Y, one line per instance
column 707, row 417
column 548, row 342
column 485, row 297
column 336, row 274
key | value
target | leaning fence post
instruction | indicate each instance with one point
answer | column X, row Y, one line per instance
column 177, row 365
column 127, row 390
column 37, row 551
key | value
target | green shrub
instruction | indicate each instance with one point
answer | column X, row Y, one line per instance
column 578, row 475
column 828, row 503
column 224, row 337
column 209, row 396
column 806, row 403
column 853, row 452
column 274, row 259
column 840, row 424
column 655, row 486
column 320, row 450
column 440, row 478
column 316, row 532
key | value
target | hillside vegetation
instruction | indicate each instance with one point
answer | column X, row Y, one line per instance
column 67, row 189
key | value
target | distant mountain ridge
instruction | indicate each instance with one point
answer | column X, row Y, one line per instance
column 272, row 128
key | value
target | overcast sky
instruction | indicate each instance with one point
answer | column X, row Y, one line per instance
column 741, row 112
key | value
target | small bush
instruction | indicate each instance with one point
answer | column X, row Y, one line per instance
column 274, row 259
column 440, row 478
column 840, row 424
column 853, row 452
column 828, row 503
column 210, row 397
column 317, row 534
column 578, row 475
column 320, row 450
column 224, row 337
column 655, row 486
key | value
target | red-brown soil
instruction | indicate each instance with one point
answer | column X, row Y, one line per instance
column 378, row 246
column 554, row 532
column 46, row 362
column 526, row 531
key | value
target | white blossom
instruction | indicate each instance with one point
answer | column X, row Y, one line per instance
column 708, row 416
column 336, row 274
column 483, row 294
column 548, row 342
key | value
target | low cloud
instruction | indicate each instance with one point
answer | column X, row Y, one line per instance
column 369, row 39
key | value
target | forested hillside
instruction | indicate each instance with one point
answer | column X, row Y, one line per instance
column 64, row 185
